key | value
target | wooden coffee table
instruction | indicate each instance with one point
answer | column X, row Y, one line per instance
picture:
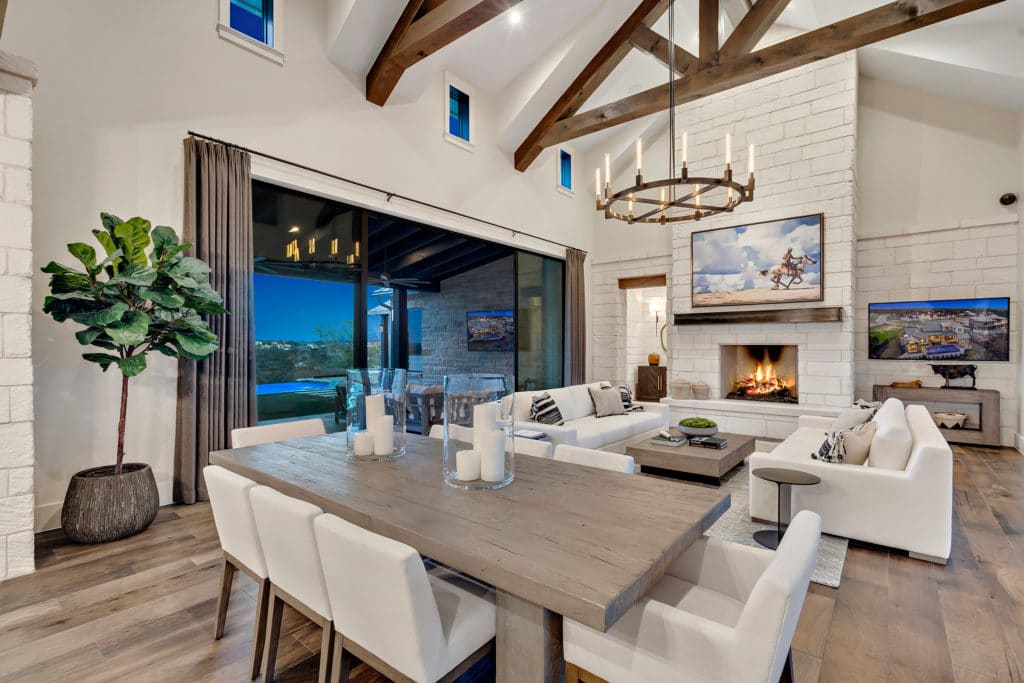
column 696, row 461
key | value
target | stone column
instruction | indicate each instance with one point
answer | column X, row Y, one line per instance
column 17, row 453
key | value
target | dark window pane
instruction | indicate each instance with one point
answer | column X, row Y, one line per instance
column 458, row 119
column 254, row 18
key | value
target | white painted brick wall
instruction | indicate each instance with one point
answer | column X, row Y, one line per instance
column 17, row 453
column 950, row 262
column 803, row 123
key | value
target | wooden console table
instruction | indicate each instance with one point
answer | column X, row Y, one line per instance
column 987, row 401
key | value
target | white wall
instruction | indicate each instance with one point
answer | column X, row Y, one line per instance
column 929, row 160
column 930, row 172
column 124, row 81
column 1019, row 440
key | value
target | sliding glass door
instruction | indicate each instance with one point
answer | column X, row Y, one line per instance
column 540, row 321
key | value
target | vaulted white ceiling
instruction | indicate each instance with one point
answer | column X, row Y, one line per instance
column 527, row 65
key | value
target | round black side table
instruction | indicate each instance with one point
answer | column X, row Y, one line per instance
column 770, row 538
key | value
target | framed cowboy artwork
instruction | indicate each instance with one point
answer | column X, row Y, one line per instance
column 773, row 262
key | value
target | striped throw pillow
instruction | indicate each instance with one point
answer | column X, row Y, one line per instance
column 543, row 409
column 627, row 400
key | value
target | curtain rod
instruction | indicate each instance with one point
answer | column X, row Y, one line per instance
column 389, row 195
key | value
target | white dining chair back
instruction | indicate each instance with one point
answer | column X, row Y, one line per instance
column 534, row 447
column 233, row 517
column 457, row 432
column 279, row 431
column 772, row 610
column 386, row 604
column 591, row 458
column 285, row 526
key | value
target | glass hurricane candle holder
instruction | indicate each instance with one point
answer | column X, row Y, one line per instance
column 478, row 431
column 375, row 405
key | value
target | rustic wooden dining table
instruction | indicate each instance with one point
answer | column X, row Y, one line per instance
column 561, row 540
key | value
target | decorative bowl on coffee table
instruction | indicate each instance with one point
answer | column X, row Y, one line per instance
column 698, row 426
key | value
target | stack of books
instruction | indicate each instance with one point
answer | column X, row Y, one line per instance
column 708, row 442
column 673, row 440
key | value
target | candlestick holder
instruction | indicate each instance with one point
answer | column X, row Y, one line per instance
column 375, row 404
column 479, row 451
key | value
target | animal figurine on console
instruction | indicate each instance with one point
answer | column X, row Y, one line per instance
column 949, row 372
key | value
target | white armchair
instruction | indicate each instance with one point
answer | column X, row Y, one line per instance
column 722, row 612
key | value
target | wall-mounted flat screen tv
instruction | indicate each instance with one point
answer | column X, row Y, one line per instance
column 491, row 330
column 948, row 329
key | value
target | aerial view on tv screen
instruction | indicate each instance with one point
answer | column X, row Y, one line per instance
column 950, row 329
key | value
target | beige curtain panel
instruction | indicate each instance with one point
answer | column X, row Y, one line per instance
column 576, row 314
column 218, row 394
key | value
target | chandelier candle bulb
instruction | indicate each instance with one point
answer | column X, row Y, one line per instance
column 467, row 465
column 639, row 156
column 728, row 149
column 608, row 168
column 384, row 435
column 750, row 161
column 597, row 183
column 684, row 148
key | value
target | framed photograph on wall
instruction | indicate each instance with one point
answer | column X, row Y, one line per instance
column 491, row 330
column 772, row 262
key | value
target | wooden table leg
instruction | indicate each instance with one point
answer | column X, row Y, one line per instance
column 529, row 642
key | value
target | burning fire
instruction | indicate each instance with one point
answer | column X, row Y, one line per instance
column 762, row 381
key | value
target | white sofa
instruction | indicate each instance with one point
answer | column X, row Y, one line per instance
column 582, row 427
column 909, row 508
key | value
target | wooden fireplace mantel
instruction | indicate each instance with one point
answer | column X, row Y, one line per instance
column 820, row 314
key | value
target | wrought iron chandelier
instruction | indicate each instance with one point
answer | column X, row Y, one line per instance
column 677, row 198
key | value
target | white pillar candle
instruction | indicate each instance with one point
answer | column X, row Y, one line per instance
column 597, row 182
column 467, row 465
column 384, row 435
column 362, row 443
column 374, row 409
column 639, row 156
column 684, row 149
column 728, row 149
column 608, row 168
column 750, row 161
column 492, row 455
column 485, row 418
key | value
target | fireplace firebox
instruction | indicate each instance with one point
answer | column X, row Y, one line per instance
column 760, row 372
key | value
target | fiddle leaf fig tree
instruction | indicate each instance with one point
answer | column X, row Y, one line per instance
column 132, row 302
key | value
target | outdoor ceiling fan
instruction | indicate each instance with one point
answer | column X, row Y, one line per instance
column 384, row 277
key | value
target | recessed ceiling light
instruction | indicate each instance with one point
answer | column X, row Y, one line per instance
column 514, row 16
column 294, row 228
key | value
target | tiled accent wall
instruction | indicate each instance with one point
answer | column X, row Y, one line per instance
column 803, row 123
column 608, row 341
column 975, row 259
column 17, row 454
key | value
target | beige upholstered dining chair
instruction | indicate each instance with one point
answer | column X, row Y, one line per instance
column 390, row 613
column 285, row 526
column 240, row 542
column 279, row 431
column 721, row 612
column 591, row 458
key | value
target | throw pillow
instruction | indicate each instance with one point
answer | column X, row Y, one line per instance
column 850, row 418
column 847, row 446
column 543, row 409
column 627, row 400
column 607, row 401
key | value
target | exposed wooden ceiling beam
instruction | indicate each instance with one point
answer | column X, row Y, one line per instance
column 3, row 15
column 384, row 74
column 417, row 36
column 593, row 75
column 707, row 33
column 751, row 29
column 647, row 40
column 863, row 29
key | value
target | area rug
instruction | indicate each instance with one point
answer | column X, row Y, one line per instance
column 735, row 525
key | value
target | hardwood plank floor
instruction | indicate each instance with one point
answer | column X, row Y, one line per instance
column 142, row 609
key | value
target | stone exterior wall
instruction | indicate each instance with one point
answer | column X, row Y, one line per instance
column 445, row 350
column 964, row 261
column 17, row 453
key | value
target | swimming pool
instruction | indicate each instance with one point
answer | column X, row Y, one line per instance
column 291, row 387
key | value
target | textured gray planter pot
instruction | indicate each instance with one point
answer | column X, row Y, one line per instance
column 698, row 431
column 101, row 506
